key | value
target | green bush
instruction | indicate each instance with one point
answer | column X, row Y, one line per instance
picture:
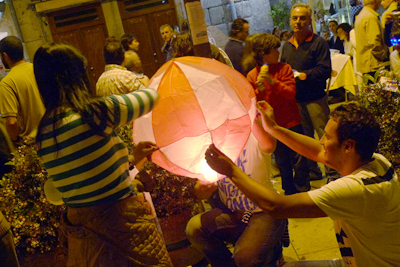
column 280, row 14
column 385, row 105
column 34, row 221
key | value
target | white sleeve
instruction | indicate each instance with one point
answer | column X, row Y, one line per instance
column 340, row 199
column 395, row 63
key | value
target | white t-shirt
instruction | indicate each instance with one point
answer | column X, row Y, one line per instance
column 256, row 164
column 365, row 207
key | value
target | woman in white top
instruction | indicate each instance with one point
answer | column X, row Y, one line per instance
column 343, row 31
column 347, row 34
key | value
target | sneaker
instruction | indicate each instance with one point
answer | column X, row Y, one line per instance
column 315, row 177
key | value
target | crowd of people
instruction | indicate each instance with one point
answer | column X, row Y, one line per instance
column 109, row 222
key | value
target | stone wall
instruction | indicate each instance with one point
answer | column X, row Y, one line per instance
column 218, row 14
column 22, row 21
column 30, row 25
column 7, row 22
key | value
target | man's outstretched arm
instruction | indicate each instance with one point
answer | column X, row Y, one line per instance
column 266, row 142
column 302, row 144
column 279, row 206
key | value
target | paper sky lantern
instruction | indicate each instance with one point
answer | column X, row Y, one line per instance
column 202, row 101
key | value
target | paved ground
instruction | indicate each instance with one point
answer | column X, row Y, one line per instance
column 310, row 239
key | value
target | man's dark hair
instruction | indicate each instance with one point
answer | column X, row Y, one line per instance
column 237, row 26
column 357, row 123
column 113, row 52
column 12, row 46
column 334, row 21
column 263, row 44
column 127, row 39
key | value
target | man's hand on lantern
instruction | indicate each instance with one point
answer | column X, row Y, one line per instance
column 219, row 162
column 267, row 115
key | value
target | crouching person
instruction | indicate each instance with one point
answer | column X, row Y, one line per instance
column 234, row 218
column 364, row 204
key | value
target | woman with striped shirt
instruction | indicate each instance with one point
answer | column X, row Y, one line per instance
column 108, row 222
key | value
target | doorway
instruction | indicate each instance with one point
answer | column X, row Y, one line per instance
column 144, row 20
column 84, row 28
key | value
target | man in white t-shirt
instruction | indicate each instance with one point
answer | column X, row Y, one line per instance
column 235, row 218
column 364, row 203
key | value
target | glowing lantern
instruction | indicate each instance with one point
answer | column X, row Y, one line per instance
column 202, row 101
